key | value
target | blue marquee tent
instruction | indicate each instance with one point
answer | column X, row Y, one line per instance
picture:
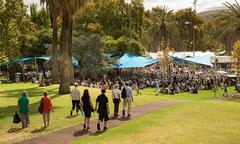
column 176, row 59
column 46, row 58
column 133, row 61
column 22, row 60
column 203, row 60
column 25, row 59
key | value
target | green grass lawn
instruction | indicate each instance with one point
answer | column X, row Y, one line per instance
column 9, row 94
column 199, row 122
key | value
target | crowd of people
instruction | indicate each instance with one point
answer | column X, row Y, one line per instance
column 122, row 83
column 180, row 78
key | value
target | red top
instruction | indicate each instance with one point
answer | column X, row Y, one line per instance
column 47, row 105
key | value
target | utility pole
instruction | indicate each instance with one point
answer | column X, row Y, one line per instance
column 195, row 5
column 194, row 28
column 194, row 40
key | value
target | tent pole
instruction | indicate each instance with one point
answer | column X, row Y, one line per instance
column 36, row 66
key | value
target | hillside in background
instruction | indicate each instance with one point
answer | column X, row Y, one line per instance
column 211, row 14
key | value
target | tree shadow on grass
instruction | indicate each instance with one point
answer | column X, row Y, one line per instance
column 32, row 92
column 10, row 110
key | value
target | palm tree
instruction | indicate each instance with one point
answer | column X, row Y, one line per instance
column 163, row 26
column 68, row 9
column 74, row 6
column 228, row 25
column 236, row 56
column 147, row 41
column 54, row 9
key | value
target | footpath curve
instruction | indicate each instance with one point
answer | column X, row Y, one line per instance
column 67, row 135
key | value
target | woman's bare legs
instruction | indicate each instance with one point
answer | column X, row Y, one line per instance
column 48, row 119
column 44, row 120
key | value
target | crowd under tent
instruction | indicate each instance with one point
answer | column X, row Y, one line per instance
column 36, row 64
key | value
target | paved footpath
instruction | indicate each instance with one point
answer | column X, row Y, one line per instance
column 67, row 135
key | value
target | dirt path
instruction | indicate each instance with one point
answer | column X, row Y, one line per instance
column 72, row 133
column 231, row 97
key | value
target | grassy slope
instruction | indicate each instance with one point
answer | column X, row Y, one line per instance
column 9, row 94
column 202, row 122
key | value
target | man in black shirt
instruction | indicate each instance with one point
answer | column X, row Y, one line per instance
column 102, row 109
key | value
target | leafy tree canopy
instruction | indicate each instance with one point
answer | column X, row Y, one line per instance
column 236, row 56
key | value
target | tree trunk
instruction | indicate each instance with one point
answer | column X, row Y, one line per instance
column 70, row 51
column 64, row 58
column 55, row 70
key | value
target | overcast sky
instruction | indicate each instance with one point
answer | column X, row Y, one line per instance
column 202, row 5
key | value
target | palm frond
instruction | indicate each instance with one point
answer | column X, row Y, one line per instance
column 228, row 24
column 233, row 8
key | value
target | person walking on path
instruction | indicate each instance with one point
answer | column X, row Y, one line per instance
column 23, row 109
column 127, row 99
column 47, row 108
column 116, row 93
column 102, row 108
column 75, row 94
column 87, row 108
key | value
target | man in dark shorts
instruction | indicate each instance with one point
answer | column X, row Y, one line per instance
column 102, row 109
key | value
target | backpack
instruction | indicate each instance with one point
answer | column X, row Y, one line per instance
column 124, row 93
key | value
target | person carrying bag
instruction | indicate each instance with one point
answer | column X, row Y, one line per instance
column 23, row 109
column 16, row 118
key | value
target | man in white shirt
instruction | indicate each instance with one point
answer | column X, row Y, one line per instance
column 116, row 94
column 127, row 100
column 75, row 94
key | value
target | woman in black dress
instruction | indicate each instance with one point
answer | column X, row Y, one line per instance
column 87, row 108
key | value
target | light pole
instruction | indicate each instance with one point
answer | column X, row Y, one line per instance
column 194, row 40
column 194, row 27
column 195, row 4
